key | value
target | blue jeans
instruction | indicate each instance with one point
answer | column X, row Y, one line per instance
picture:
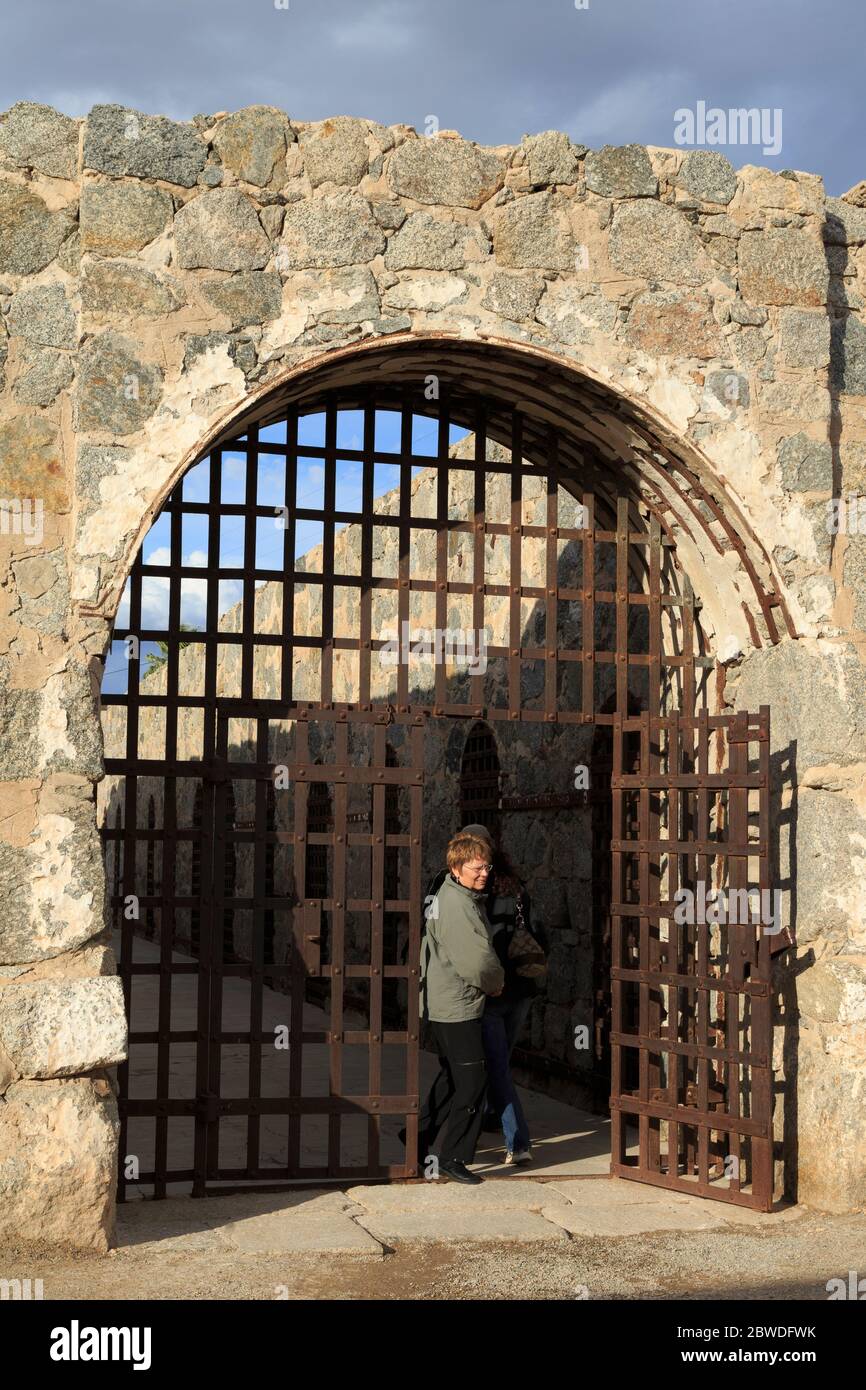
column 500, row 1030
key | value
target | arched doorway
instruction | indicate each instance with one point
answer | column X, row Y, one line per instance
column 341, row 579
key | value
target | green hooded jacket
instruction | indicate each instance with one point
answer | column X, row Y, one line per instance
column 459, row 967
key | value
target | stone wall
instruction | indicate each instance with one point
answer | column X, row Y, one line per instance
column 157, row 278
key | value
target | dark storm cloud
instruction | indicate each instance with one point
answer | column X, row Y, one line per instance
column 492, row 69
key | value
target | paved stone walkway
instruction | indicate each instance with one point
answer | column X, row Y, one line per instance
column 368, row 1222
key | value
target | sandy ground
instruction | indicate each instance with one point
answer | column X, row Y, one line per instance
column 626, row 1241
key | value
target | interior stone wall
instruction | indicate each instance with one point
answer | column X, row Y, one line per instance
column 157, row 277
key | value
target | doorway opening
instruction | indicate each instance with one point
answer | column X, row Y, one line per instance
column 356, row 624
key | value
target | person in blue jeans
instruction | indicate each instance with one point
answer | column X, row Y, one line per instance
column 508, row 906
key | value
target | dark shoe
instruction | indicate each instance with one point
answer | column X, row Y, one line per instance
column 453, row 1168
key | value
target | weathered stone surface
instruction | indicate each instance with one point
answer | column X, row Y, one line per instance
column 817, row 691
column 620, row 171
column 38, row 137
column 513, row 296
column 750, row 346
column 69, row 255
column 336, row 151
column 125, row 289
column 30, row 235
column 58, row 1163
column 63, row 1028
column 856, row 196
column 426, row 243
column 348, row 295
column 782, row 192
column 848, row 356
column 252, row 142
column 844, row 224
column 425, row 292
column 251, row 296
column 653, row 241
column 720, row 224
column 729, row 388
column 829, row 1098
column 43, row 315
column 329, row 231
column 552, row 158
column 803, row 401
column 95, row 462
column 672, row 323
column 119, row 140
column 389, row 213
column 534, row 233
column 854, row 577
column 748, row 313
column 46, row 374
column 830, row 833
column 804, row 338
column 117, row 218
column 452, row 173
column 806, row 465
column 54, row 887
column 783, row 265
column 708, row 175
column 572, row 313
column 271, row 219
column 116, row 391
column 220, row 231
column 241, row 348
column 31, row 461
column 834, row 990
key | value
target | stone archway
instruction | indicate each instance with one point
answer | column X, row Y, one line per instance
column 293, row 659
column 166, row 277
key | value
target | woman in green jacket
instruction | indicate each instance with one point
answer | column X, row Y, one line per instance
column 459, row 971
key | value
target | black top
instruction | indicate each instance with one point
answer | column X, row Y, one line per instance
column 502, row 915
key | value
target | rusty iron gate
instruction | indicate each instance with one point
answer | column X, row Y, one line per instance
column 260, row 766
column 693, row 931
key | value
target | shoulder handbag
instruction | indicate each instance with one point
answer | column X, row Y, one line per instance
column 525, row 955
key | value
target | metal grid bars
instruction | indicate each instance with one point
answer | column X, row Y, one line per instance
column 328, row 576
column 394, row 555
column 692, row 927
column 272, row 1057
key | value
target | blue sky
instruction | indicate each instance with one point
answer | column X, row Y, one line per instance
column 270, row 492
column 613, row 72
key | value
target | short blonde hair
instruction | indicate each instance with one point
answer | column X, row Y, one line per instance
column 465, row 847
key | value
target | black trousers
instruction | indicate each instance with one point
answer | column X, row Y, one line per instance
column 456, row 1096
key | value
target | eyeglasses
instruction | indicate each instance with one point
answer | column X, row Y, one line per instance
column 475, row 870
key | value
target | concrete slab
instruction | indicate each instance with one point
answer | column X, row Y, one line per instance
column 302, row 1233
column 511, row 1195
column 458, row 1225
column 630, row 1220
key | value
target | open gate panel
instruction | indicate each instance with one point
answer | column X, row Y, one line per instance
column 692, row 931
